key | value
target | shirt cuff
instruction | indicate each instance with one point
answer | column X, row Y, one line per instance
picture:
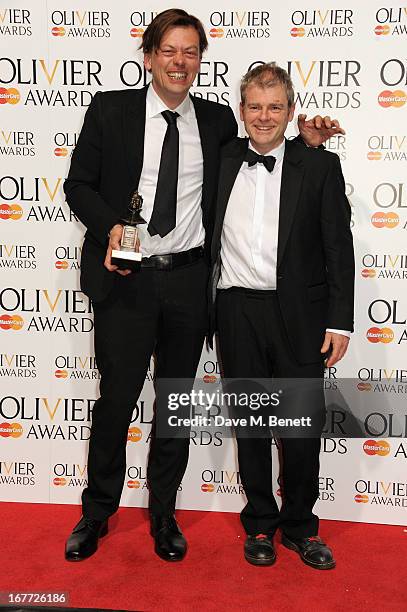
column 342, row 332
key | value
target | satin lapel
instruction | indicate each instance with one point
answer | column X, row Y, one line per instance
column 208, row 145
column 229, row 170
column 134, row 120
column 291, row 181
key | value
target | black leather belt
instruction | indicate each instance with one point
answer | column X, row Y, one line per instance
column 256, row 293
column 172, row 260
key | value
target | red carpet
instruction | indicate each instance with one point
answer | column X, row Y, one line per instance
column 125, row 574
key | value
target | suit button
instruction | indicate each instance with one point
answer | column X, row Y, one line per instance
column 280, row 277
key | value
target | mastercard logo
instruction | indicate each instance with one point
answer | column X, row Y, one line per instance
column 297, row 32
column 384, row 335
column 374, row 155
column 134, row 435
column 133, row 484
column 376, row 447
column 361, row 499
column 11, row 430
column 136, row 32
column 9, row 96
column 392, row 98
column 11, row 211
column 61, row 265
column 59, row 482
column 368, row 273
column 216, row 32
column 382, row 29
column 60, row 152
column 11, row 322
column 364, row 386
column 382, row 219
column 58, row 31
column 61, row 374
column 207, row 488
column 209, row 378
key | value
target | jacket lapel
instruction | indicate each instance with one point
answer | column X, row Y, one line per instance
column 291, row 181
column 209, row 145
column 205, row 131
column 133, row 127
column 229, row 168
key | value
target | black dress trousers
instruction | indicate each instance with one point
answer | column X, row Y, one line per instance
column 148, row 312
column 253, row 344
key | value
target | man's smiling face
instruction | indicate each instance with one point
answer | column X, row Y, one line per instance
column 175, row 64
column 266, row 114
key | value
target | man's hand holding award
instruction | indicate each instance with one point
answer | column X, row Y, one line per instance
column 123, row 254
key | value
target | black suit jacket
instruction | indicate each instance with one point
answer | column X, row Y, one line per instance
column 315, row 262
column 106, row 167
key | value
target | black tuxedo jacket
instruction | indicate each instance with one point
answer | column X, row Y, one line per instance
column 315, row 262
column 106, row 166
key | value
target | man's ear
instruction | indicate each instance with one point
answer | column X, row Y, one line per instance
column 147, row 61
column 241, row 110
column 291, row 112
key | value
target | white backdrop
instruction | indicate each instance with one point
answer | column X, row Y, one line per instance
column 54, row 55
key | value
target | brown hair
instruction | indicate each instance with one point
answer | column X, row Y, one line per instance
column 267, row 75
column 171, row 18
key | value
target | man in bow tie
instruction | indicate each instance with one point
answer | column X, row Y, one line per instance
column 283, row 272
column 164, row 143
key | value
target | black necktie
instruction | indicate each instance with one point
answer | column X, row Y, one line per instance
column 165, row 202
column 253, row 158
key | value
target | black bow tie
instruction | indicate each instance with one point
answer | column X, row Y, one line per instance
column 253, row 158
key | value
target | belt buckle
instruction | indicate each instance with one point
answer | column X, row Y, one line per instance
column 163, row 262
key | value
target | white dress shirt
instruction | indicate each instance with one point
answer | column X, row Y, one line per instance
column 250, row 230
column 189, row 231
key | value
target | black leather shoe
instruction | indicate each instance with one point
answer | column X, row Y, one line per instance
column 313, row 551
column 83, row 541
column 170, row 544
column 259, row 550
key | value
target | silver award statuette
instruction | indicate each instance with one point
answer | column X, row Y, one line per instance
column 127, row 257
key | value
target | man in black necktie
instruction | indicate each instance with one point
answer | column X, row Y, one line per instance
column 164, row 143
column 283, row 270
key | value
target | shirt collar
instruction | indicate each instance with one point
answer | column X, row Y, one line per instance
column 155, row 106
column 278, row 152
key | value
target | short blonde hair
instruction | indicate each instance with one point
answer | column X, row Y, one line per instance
column 267, row 75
